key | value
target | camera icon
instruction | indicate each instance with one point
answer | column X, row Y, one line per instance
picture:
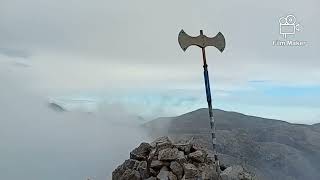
column 288, row 26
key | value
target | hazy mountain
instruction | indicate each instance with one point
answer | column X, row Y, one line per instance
column 273, row 149
column 56, row 107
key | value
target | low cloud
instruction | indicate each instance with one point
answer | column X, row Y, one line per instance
column 39, row 143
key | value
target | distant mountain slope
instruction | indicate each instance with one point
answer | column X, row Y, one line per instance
column 274, row 149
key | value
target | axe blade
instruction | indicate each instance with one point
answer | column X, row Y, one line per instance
column 201, row 41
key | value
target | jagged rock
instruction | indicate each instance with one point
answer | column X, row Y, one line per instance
column 245, row 176
column 185, row 147
column 156, row 164
column 196, row 147
column 119, row 171
column 161, row 143
column 160, row 140
column 166, row 175
column 190, row 171
column 198, row 156
column 163, row 174
column 142, row 169
column 168, row 154
column 141, row 153
column 181, row 158
column 208, row 172
column 172, row 176
column 152, row 178
column 172, row 163
column 177, row 169
column 232, row 173
column 130, row 174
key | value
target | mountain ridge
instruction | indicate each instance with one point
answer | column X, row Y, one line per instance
column 275, row 149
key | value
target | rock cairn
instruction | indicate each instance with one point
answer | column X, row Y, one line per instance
column 165, row 160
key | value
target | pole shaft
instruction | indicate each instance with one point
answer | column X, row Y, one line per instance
column 209, row 100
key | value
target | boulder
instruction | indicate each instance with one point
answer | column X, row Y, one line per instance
column 177, row 169
column 190, row 171
column 156, row 164
column 163, row 160
column 162, row 143
column 181, row 157
column 172, row 176
column 142, row 169
column 141, row 153
column 198, row 156
column 152, row 178
column 160, row 140
column 186, row 148
column 130, row 174
column 232, row 173
column 163, row 174
column 119, row 171
column 168, row 154
column 208, row 172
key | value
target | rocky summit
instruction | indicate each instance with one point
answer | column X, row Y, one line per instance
column 271, row 149
column 163, row 159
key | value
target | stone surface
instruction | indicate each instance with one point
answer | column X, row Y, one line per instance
column 190, row 171
column 156, row 164
column 142, row 169
column 160, row 140
column 172, row 163
column 186, row 147
column 172, row 176
column 141, row 152
column 130, row 174
column 177, row 169
column 152, row 178
column 168, row 154
column 128, row 164
column 198, row 156
column 181, row 157
column 208, row 171
column 232, row 173
column 163, row 174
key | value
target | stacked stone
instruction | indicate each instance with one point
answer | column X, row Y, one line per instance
column 164, row 160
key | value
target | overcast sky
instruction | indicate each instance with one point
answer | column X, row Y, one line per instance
column 106, row 49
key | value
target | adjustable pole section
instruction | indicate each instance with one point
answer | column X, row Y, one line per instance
column 208, row 93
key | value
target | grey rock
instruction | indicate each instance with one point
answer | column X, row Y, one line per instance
column 198, row 156
column 141, row 153
column 163, row 174
column 190, row 171
column 181, row 157
column 232, row 173
column 160, row 140
column 156, row 164
column 177, row 169
column 128, row 164
column 130, row 174
column 208, row 172
column 168, row 154
column 172, row 176
column 246, row 176
column 161, row 143
column 142, row 169
column 152, row 178
column 185, row 147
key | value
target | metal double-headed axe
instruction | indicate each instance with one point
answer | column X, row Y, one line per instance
column 203, row 41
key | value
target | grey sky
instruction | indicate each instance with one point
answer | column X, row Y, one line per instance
column 93, row 45
column 97, row 48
